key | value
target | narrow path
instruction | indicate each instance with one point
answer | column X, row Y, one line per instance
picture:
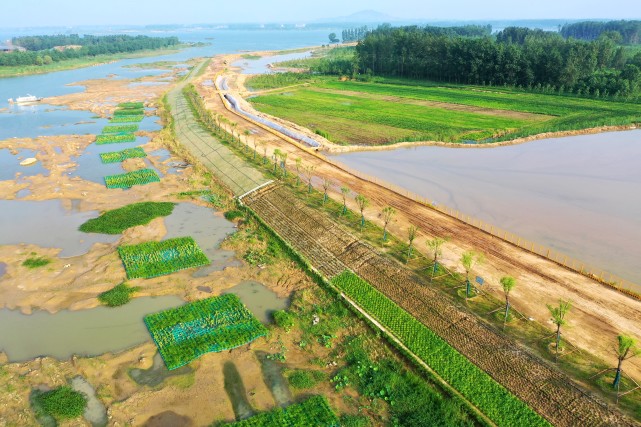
column 239, row 176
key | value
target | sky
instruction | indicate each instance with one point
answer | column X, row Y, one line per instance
column 35, row 13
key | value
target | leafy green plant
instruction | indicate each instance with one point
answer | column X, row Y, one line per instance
column 120, row 129
column 153, row 259
column 36, row 262
column 211, row 325
column 62, row 402
column 284, row 319
column 117, row 296
column 233, row 214
column 129, row 179
column 313, row 412
column 127, row 119
column 115, row 138
column 131, row 105
column 121, row 156
column 304, row 380
column 118, row 220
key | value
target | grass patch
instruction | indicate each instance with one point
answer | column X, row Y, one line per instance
column 129, row 179
column 121, row 156
column 129, row 112
column 276, row 80
column 120, row 129
column 211, row 325
column 304, row 380
column 36, row 262
column 127, row 119
column 313, row 412
column 62, row 403
column 250, row 56
column 131, row 105
column 115, row 138
column 119, row 295
column 118, row 220
column 153, row 259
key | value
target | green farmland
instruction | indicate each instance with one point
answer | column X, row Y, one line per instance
column 389, row 111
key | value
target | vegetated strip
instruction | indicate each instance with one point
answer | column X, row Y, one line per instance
column 313, row 412
column 129, row 179
column 477, row 386
column 120, row 129
column 153, row 259
column 115, row 138
column 214, row 324
column 121, row 156
column 131, row 105
column 127, row 119
column 129, row 112
column 118, row 220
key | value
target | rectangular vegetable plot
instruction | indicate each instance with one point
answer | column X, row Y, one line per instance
column 120, row 129
column 127, row 119
column 121, row 156
column 313, row 412
column 215, row 324
column 129, row 179
column 153, row 259
column 115, row 138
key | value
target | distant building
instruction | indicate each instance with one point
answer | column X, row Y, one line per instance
column 4, row 48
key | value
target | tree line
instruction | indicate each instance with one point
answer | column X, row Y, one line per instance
column 627, row 32
column 40, row 49
column 518, row 57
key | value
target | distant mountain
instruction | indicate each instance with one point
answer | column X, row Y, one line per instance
column 364, row 16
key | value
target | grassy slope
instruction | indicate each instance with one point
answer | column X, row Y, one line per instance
column 354, row 119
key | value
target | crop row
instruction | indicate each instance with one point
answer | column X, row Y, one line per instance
column 121, row 156
column 131, row 105
column 129, row 179
column 127, row 119
column 115, row 138
column 153, row 259
column 477, row 386
column 329, row 248
column 215, row 324
column 129, row 112
column 120, row 129
column 313, row 412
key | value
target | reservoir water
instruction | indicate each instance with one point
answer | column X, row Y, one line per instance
column 578, row 195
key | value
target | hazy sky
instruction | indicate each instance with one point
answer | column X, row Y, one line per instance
column 82, row 12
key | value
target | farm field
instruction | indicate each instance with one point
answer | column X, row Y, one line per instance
column 118, row 220
column 127, row 118
column 120, row 129
column 129, row 179
column 115, row 138
column 332, row 249
column 388, row 111
column 121, row 156
column 313, row 412
column 211, row 325
column 153, row 259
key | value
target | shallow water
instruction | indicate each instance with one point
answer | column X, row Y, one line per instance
column 157, row 373
column 10, row 164
column 260, row 66
column 95, row 412
column 47, row 224
column 208, row 230
column 85, row 333
column 578, row 195
column 3, row 269
column 259, row 299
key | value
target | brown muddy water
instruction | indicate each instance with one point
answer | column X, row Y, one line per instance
column 578, row 195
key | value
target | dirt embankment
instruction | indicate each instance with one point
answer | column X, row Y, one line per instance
column 599, row 314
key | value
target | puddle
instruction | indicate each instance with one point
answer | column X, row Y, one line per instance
column 21, row 194
column 259, row 299
column 206, row 289
column 31, row 121
column 85, row 333
column 10, row 164
column 95, row 412
column 161, row 154
column 208, row 230
column 273, row 377
column 157, row 374
column 236, row 392
column 49, row 225
column 169, row 419
column 3, row 271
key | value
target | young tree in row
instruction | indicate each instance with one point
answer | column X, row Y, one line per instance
column 277, row 154
column 435, row 246
column 344, row 192
column 327, row 184
column 558, row 318
column 233, row 130
column 256, row 142
column 626, row 349
column 411, row 235
column 388, row 214
column 262, row 144
column 247, row 134
column 362, row 203
column 508, row 283
column 283, row 162
column 308, row 171
column 298, row 162
column 470, row 259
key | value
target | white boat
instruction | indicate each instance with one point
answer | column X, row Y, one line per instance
column 25, row 99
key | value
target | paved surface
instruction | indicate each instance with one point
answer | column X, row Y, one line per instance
column 239, row 176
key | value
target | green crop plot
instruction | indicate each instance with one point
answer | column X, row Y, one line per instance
column 129, row 112
column 115, row 138
column 121, row 156
column 211, row 325
column 313, row 412
column 118, row 220
column 120, row 129
column 476, row 385
column 131, row 105
column 127, row 119
column 153, row 259
column 129, row 179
